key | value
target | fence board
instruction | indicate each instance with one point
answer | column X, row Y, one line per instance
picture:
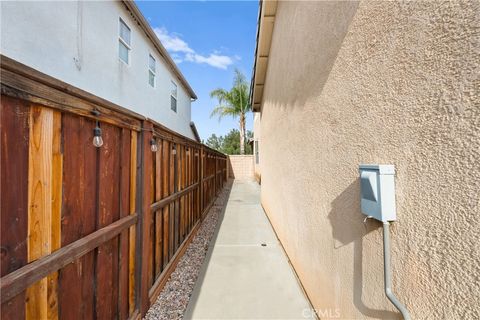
column 76, row 287
column 132, row 240
column 124, row 156
column 14, row 185
column 56, row 241
column 106, row 268
column 81, row 267
column 39, row 204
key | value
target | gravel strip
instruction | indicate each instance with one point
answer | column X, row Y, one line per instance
column 173, row 300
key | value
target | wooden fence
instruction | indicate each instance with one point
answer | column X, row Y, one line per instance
column 90, row 232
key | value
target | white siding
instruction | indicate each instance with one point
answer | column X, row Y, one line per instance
column 77, row 42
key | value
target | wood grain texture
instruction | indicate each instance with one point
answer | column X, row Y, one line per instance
column 132, row 240
column 106, row 268
column 17, row 281
column 76, row 285
column 14, row 119
column 39, row 205
column 124, row 156
column 158, row 242
column 166, row 235
column 56, row 240
column 146, row 220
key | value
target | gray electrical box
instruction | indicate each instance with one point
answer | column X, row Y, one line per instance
column 377, row 185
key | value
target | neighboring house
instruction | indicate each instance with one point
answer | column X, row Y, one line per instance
column 342, row 83
column 106, row 48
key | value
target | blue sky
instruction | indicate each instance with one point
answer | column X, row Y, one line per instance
column 208, row 40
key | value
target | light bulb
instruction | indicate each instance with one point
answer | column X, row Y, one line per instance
column 153, row 145
column 97, row 137
column 97, row 141
column 174, row 151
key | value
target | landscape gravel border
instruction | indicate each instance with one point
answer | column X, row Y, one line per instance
column 172, row 301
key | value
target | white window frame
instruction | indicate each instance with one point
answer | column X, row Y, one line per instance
column 174, row 96
column 123, row 41
column 152, row 71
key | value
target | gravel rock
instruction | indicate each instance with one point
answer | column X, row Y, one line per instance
column 173, row 300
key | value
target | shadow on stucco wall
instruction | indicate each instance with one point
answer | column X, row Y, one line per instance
column 348, row 226
column 296, row 23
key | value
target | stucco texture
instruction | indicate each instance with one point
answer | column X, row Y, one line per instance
column 376, row 82
column 241, row 167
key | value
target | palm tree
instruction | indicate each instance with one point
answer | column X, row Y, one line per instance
column 234, row 103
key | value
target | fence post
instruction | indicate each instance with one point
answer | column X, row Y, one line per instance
column 215, row 179
column 145, row 216
column 201, row 181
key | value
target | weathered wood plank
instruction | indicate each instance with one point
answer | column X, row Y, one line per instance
column 160, row 204
column 158, row 242
column 106, row 268
column 124, row 155
column 39, row 204
column 151, row 244
column 15, row 282
column 158, row 213
column 132, row 243
column 146, row 220
column 158, row 171
column 166, row 150
column 14, row 119
column 166, row 235
column 56, row 240
column 76, row 287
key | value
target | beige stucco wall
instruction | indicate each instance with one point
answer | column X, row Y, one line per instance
column 240, row 167
column 257, row 129
column 376, row 82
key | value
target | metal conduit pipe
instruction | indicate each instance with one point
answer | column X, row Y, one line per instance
column 386, row 271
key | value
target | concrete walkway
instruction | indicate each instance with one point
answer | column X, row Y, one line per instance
column 241, row 279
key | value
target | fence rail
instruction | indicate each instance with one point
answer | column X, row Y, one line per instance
column 92, row 232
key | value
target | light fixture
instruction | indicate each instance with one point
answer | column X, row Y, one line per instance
column 174, row 150
column 153, row 145
column 196, row 153
column 97, row 136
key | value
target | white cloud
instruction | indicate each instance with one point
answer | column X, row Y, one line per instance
column 176, row 58
column 171, row 41
column 181, row 51
column 214, row 60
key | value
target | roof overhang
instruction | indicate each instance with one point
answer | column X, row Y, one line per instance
column 142, row 22
column 266, row 21
column 195, row 132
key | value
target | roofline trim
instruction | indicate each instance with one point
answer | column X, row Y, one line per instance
column 260, row 27
column 133, row 8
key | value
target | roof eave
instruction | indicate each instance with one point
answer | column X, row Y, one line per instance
column 158, row 45
column 266, row 21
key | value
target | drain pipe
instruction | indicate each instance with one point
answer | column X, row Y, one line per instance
column 387, row 274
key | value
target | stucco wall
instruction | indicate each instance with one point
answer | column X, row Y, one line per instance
column 376, row 82
column 48, row 36
column 257, row 138
column 240, row 167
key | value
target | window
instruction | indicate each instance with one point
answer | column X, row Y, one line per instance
column 124, row 42
column 151, row 70
column 173, row 97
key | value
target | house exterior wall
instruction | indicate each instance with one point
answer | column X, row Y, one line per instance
column 257, row 144
column 376, row 82
column 50, row 36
